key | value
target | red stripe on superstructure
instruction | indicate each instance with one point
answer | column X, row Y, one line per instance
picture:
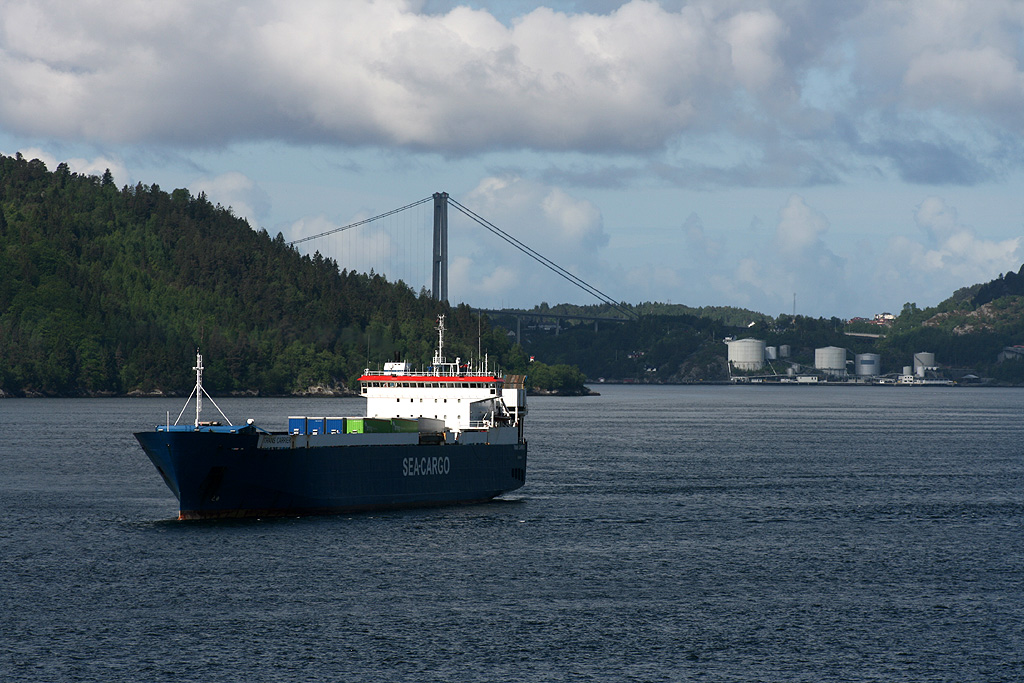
column 427, row 378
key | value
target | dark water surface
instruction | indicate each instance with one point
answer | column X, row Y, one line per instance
column 664, row 534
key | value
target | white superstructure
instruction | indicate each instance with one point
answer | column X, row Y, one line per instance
column 463, row 398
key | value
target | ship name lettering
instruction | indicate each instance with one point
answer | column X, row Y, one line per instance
column 417, row 467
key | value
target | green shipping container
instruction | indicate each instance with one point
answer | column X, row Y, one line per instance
column 367, row 425
column 405, row 424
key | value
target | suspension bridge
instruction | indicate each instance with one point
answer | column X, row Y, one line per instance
column 392, row 254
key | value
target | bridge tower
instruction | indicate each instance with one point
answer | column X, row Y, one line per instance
column 439, row 282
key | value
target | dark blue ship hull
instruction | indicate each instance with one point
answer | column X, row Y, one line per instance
column 227, row 474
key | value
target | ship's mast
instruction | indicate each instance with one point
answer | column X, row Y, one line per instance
column 439, row 354
column 199, row 385
column 199, row 392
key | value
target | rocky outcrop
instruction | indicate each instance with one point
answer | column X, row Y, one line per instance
column 322, row 391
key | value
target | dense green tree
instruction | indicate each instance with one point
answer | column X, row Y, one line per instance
column 107, row 290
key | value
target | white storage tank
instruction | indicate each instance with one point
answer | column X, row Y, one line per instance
column 770, row 353
column 746, row 354
column 830, row 359
column 924, row 360
column 867, row 364
column 784, row 351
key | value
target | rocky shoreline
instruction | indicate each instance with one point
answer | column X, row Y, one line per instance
column 309, row 392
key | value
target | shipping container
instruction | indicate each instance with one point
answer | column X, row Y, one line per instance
column 405, row 424
column 367, row 425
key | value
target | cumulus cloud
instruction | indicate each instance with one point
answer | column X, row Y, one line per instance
column 634, row 78
column 768, row 268
column 96, row 166
column 800, row 228
column 355, row 73
column 563, row 229
column 953, row 250
column 545, row 217
column 946, row 256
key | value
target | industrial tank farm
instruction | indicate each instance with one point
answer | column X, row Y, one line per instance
column 749, row 357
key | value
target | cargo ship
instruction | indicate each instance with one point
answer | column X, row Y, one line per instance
column 451, row 433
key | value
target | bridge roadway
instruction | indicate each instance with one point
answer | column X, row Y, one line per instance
column 519, row 315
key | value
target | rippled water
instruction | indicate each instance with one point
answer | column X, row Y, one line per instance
column 664, row 534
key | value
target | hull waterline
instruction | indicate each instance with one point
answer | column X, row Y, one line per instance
column 228, row 475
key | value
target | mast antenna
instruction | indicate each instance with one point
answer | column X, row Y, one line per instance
column 199, row 392
column 199, row 385
column 439, row 356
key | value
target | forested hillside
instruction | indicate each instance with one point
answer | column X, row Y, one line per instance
column 112, row 290
column 673, row 343
column 107, row 290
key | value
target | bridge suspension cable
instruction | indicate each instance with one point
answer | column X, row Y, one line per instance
column 441, row 290
column 543, row 260
column 362, row 222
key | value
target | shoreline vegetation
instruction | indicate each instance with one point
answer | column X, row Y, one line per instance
column 108, row 291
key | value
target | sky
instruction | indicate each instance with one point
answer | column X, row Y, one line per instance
column 824, row 158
